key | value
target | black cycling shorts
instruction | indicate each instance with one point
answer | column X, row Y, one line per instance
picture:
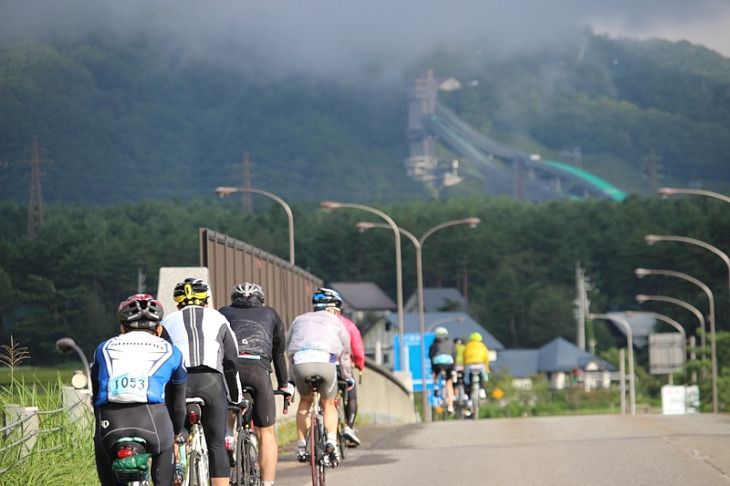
column 210, row 386
column 264, row 409
column 149, row 421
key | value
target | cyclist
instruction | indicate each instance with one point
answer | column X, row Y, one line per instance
column 315, row 341
column 441, row 353
column 357, row 354
column 476, row 357
column 261, row 339
column 209, row 351
column 132, row 377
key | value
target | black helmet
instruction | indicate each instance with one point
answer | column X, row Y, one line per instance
column 324, row 298
column 191, row 291
column 140, row 311
column 248, row 293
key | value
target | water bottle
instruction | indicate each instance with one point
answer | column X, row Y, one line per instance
column 434, row 400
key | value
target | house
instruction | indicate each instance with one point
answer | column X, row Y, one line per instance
column 362, row 298
column 437, row 299
column 560, row 360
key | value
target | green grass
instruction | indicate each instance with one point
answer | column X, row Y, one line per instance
column 63, row 452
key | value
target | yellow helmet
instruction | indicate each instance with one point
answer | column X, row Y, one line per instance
column 475, row 336
column 191, row 291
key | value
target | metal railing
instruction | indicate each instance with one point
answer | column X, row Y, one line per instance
column 27, row 431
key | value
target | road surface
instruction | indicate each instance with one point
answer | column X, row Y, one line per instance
column 645, row 449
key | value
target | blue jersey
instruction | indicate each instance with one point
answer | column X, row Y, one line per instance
column 135, row 367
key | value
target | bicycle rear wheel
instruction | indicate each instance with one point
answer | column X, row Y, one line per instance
column 474, row 396
column 251, row 472
column 313, row 443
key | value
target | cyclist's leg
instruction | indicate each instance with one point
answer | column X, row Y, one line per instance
column 210, row 387
column 351, row 406
column 449, row 388
column 264, row 417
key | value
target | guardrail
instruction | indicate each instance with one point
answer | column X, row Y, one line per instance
column 24, row 428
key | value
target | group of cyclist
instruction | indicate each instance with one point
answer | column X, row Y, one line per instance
column 452, row 359
column 141, row 378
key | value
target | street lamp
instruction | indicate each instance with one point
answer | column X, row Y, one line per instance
column 641, row 298
column 651, row 239
column 398, row 265
column 642, row 272
column 671, row 191
column 66, row 345
column 418, row 243
column 227, row 191
column 627, row 327
column 666, row 319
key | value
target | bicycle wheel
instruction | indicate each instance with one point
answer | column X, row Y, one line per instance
column 461, row 402
column 342, row 441
column 251, row 472
column 323, row 459
column 237, row 466
column 315, row 457
column 474, row 396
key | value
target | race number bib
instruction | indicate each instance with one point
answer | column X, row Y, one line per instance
column 128, row 388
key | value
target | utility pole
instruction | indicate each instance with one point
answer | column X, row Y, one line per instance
column 35, row 208
column 582, row 304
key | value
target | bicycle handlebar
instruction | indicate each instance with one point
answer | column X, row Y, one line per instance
column 285, row 409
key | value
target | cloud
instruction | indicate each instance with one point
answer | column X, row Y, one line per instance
column 327, row 35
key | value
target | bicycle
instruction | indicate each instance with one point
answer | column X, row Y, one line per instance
column 462, row 404
column 316, row 446
column 196, row 448
column 437, row 400
column 132, row 463
column 245, row 470
column 340, row 400
column 475, row 380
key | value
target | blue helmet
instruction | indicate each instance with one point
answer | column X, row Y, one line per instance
column 324, row 298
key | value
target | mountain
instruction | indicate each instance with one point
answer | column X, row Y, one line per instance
column 119, row 119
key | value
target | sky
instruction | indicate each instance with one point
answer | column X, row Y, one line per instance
column 326, row 35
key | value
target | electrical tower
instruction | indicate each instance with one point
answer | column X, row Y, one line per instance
column 35, row 208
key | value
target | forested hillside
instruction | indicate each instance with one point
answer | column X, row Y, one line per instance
column 118, row 120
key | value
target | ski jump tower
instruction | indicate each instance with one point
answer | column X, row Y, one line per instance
column 422, row 163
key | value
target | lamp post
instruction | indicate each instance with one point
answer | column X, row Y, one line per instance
column 641, row 298
column 629, row 336
column 671, row 191
column 666, row 319
column 418, row 243
column 651, row 239
column 398, row 265
column 66, row 345
column 227, row 191
column 642, row 272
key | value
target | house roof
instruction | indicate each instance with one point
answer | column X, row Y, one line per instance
column 363, row 296
column 459, row 324
column 437, row 299
column 559, row 355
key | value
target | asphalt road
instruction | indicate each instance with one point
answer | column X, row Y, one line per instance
column 646, row 449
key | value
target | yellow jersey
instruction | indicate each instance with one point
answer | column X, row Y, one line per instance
column 475, row 352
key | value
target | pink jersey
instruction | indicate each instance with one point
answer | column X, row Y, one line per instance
column 357, row 350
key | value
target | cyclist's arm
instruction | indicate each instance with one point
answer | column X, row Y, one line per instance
column 230, row 363
column 278, row 352
column 176, row 406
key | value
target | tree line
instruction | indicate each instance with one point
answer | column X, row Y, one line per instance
column 517, row 268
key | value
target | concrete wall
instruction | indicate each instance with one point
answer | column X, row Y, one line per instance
column 382, row 399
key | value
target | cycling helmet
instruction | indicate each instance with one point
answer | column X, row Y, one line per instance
column 441, row 331
column 475, row 336
column 324, row 298
column 191, row 291
column 140, row 311
column 247, row 292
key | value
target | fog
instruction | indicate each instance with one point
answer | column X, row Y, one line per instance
column 325, row 36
